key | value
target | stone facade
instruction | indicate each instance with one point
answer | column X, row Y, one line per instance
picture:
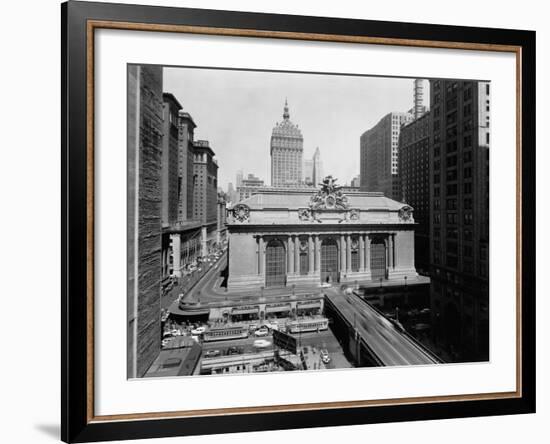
column 170, row 173
column 186, row 127
column 145, row 125
column 305, row 237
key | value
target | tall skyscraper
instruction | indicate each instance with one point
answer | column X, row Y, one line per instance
column 414, row 174
column 145, row 139
column 185, row 166
column 205, row 197
column 459, row 210
column 317, row 168
column 239, row 178
column 170, row 177
column 287, row 147
column 313, row 170
column 379, row 168
column 205, row 183
column 420, row 106
column 307, row 171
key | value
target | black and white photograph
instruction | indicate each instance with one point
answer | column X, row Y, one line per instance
column 301, row 221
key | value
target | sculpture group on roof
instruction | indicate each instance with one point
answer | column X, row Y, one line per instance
column 329, row 196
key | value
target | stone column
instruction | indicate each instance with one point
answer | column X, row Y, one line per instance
column 367, row 252
column 361, row 252
column 317, row 253
column 387, row 245
column 342, row 253
column 204, row 242
column 290, row 256
column 261, row 253
column 297, row 255
column 311, row 255
column 257, row 254
column 176, row 253
column 394, row 251
column 390, row 250
column 348, row 253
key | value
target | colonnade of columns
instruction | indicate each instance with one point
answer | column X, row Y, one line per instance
column 348, row 242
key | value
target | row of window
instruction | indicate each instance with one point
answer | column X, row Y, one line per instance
column 452, row 218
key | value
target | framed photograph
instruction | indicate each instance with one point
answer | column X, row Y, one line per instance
column 275, row 221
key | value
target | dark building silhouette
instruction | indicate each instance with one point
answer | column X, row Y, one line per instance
column 414, row 172
column 459, row 212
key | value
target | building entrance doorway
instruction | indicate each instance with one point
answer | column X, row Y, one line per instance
column 275, row 264
column 378, row 259
column 329, row 261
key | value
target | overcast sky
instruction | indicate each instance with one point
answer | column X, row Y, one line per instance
column 237, row 110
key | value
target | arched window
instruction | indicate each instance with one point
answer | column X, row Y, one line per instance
column 329, row 260
column 378, row 258
column 275, row 264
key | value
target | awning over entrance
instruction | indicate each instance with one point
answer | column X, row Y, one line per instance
column 245, row 310
column 309, row 304
column 277, row 308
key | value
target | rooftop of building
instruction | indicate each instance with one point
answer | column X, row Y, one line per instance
column 293, row 199
column 169, row 97
column 185, row 115
column 204, row 145
column 286, row 128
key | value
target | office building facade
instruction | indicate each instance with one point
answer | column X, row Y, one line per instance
column 379, row 155
column 287, row 147
column 414, row 174
column 459, row 212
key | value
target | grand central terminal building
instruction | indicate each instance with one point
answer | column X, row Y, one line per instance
column 281, row 237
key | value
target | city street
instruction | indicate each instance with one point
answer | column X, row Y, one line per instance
column 314, row 342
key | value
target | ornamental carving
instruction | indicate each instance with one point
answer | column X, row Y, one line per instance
column 329, row 197
column 405, row 213
column 354, row 244
column 303, row 246
column 304, row 214
column 354, row 214
column 241, row 212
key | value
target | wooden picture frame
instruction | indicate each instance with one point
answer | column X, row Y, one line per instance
column 79, row 22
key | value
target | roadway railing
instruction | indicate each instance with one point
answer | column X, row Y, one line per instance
column 369, row 349
column 402, row 330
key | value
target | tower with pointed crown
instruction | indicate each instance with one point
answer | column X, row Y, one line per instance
column 287, row 148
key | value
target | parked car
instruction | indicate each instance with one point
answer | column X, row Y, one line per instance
column 233, row 351
column 212, row 353
column 326, row 285
column 325, row 356
column 261, row 343
column 262, row 331
column 198, row 331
